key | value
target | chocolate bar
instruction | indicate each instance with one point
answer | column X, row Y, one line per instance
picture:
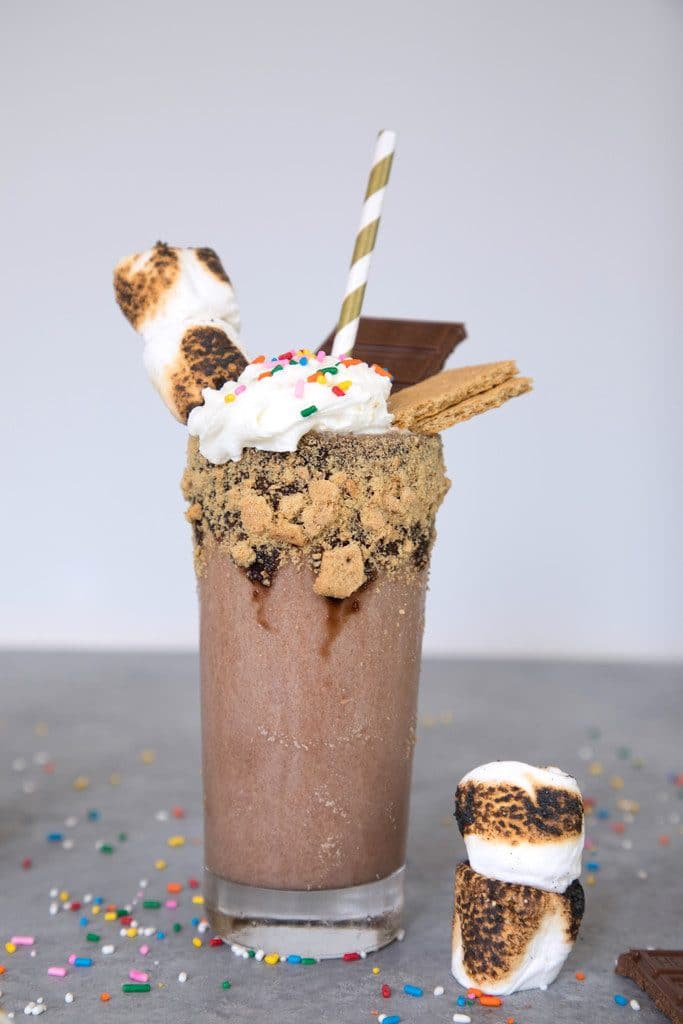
column 659, row 972
column 411, row 350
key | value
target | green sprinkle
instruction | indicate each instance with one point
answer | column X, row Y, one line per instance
column 226, row 984
column 328, row 369
column 106, row 848
column 151, row 904
column 252, row 953
column 309, row 411
column 91, row 937
column 624, row 753
column 276, row 368
column 177, row 926
column 307, row 959
column 121, row 912
column 132, row 986
column 122, row 837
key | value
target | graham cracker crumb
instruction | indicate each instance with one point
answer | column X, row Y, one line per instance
column 352, row 507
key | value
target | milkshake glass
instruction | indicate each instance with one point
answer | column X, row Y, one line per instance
column 312, row 570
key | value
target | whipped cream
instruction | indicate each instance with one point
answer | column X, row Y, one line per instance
column 276, row 401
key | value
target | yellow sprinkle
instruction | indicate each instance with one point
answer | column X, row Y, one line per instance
column 131, row 932
column 109, row 916
column 229, row 398
column 114, row 779
column 375, row 970
column 345, row 384
column 272, row 958
column 198, row 899
column 63, row 896
column 81, row 782
column 595, row 768
column 176, row 840
column 196, row 942
column 148, row 756
column 10, row 947
column 160, row 864
column 616, row 782
column 590, row 879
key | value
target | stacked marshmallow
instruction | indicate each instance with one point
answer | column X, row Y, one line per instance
column 183, row 304
column 518, row 902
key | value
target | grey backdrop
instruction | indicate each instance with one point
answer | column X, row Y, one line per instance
column 536, row 195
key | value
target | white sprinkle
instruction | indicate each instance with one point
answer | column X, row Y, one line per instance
column 87, row 898
column 461, row 1018
column 148, row 931
column 382, row 1017
column 68, row 844
column 202, row 927
column 363, row 955
column 107, row 950
column 122, row 933
column 37, row 1010
column 143, row 883
column 18, row 765
column 260, row 953
column 28, row 786
column 69, row 997
column 182, row 977
column 41, row 758
column 642, row 874
column 627, row 844
column 54, row 909
column 439, row 990
column 161, row 815
column 71, row 821
column 400, row 935
column 634, row 1004
column 32, row 953
column 28, row 1009
column 53, row 894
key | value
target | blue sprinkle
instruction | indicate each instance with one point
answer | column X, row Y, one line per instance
column 99, row 900
column 603, row 814
column 412, row 990
column 161, row 935
column 293, row 959
column 83, row 961
column 83, row 921
column 54, row 837
column 621, row 1000
column 194, row 922
column 394, row 1019
column 592, row 865
column 461, row 1001
column 304, row 362
column 93, row 815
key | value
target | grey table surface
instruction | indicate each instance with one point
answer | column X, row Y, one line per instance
column 125, row 729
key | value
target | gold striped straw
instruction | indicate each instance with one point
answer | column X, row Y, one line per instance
column 347, row 328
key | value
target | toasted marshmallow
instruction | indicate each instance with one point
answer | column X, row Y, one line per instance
column 522, row 824
column 511, row 937
column 182, row 303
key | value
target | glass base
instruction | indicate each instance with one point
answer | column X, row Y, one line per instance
column 324, row 923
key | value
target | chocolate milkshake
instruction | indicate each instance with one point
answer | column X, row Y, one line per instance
column 312, row 492
column 312, row 570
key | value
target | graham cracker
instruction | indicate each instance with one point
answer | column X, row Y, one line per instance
column 453, row 396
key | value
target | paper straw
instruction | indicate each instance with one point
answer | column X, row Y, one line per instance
column 347, row 328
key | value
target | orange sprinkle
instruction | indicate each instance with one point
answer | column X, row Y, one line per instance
column 259, row 359
column 580, row 976
column 351, row 362
column 174, row 887
column 664, row 840
column 510, row 1020
column 105, row 997
column 490, row 1000
column 2, row 968
column 266, row 374
column 474, row 993
column 380, row 371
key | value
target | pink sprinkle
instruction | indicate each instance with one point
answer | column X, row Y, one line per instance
column 299, row 389
column 57, row 972
column 22, row 940
column 138, row 976
column 72, row 958
column 239, row 389
column 322, row 354
column 171, row 904
column 144, row 950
